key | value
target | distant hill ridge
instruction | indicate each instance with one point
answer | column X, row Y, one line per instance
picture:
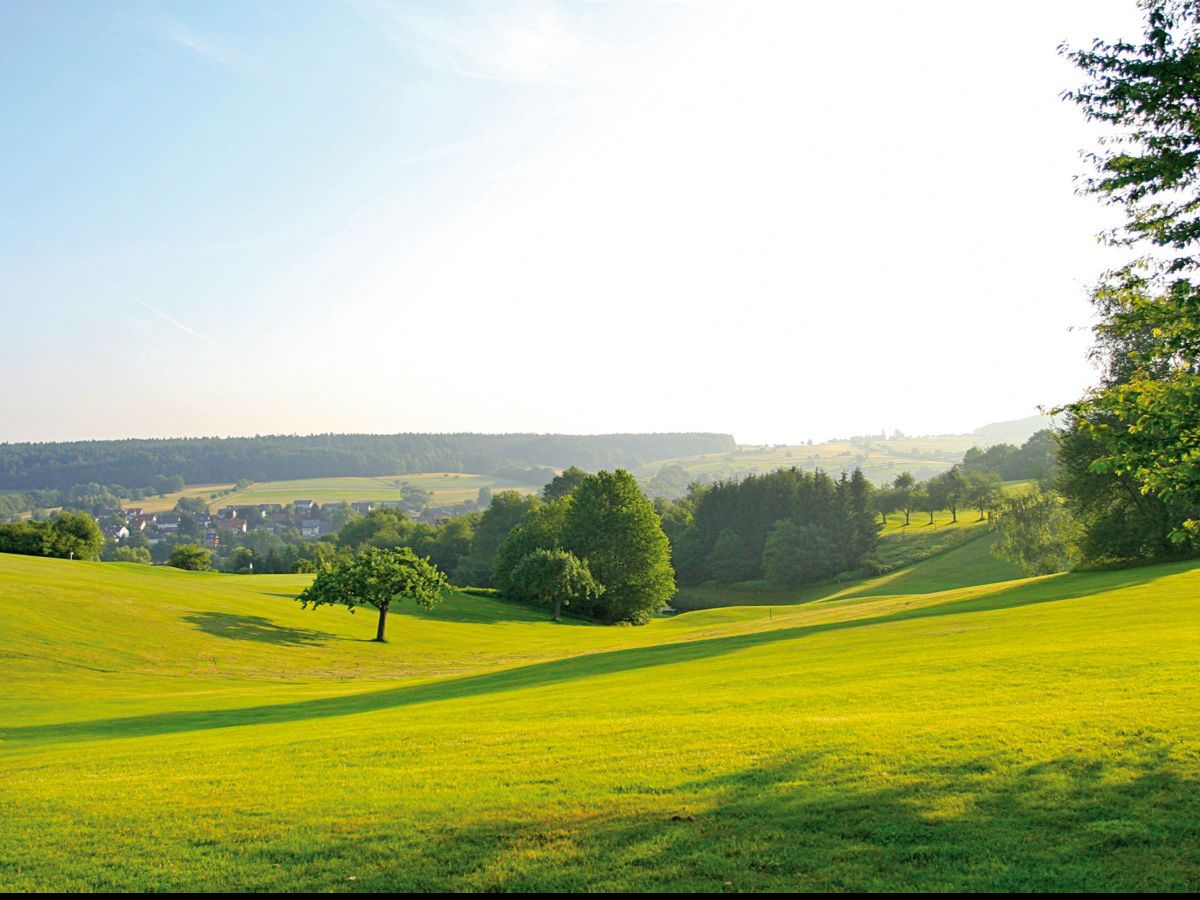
column 134, row 462
column 1015, row 431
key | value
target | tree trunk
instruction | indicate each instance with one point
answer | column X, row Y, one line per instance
column 906, row 512
column 382, row 625
column 931, row 517
column 954, row 515
column 557, row 609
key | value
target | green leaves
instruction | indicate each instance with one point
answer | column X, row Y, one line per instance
column 555, row 576
column 1036, row 532
column 1140, row 428
column 377, row 577
column 612, row 526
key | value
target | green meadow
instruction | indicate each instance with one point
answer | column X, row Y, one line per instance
column 446, row 488
column 932, row 729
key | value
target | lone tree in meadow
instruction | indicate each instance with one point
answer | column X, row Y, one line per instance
column 558, row 577
column 377, row 578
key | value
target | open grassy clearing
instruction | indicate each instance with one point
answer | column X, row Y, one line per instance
column 446, row 488
column 172, row 730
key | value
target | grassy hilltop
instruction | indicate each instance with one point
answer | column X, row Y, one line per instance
column 171, row 730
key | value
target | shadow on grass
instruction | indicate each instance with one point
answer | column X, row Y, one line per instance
column 968, row 563
column 585, row 666
column 1125, row 821
column 256, row 628
column 465, row 608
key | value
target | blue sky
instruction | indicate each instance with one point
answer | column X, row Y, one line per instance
column 238, row 218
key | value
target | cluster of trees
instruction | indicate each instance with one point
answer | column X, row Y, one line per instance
column 789, row 526
column 591, row 542
column 1035, row 460
column 1130, row 452
column 91, row 497
column 629, row 555
column 278, row 457
column 598, row 537
column 67, row 535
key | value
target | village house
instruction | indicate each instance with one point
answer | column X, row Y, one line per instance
column 116, row 533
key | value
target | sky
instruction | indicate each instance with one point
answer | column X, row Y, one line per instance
column 784, row 221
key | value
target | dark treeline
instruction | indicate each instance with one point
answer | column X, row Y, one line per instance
column 138, row 462
column 790, row 525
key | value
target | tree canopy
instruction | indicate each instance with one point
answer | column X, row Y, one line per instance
column 1138, row 431
column 612, row 526
column 377, row 578
column 555, row 577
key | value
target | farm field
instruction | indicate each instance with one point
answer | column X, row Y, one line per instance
column 447, row 488
column 932, row 729
column 166, row 502
column 881, row 460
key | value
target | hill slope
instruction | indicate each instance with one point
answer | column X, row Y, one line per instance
column 168, row 730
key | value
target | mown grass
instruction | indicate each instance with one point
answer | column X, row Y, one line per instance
column 167, row 730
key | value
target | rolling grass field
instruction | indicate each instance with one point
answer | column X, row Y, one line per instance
column 929, row 730
column 446, row 488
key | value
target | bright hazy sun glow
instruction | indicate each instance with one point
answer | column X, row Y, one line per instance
column 781, row 220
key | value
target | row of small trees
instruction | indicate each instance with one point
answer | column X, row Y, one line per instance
column 952, row 490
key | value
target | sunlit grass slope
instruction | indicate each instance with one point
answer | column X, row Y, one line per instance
column 167, row 730
column 963, row 544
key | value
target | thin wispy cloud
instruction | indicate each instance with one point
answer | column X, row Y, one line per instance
column 526, row 43
column 121, row 289
column 166, row 317
column 203, row 45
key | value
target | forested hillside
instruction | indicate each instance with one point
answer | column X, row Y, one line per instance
column 136, row 462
